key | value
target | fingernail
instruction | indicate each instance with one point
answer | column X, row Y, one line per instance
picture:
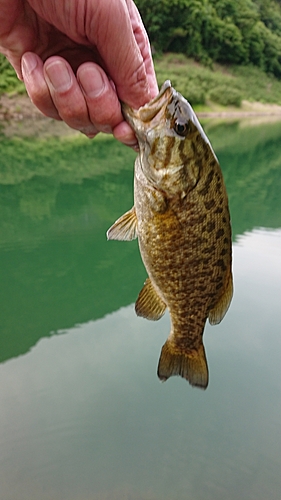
column 92, row 83
column 129, row 141
column 59, row 76
column 134, row 145
column 28, row 63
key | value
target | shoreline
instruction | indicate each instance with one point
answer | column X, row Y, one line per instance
column 19, row 116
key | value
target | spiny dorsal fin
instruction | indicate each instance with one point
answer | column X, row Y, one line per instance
column 190, row 365
column 125, row 228
column 217, row 313
column 149, row 305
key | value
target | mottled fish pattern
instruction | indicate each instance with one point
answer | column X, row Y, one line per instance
column 181, row 219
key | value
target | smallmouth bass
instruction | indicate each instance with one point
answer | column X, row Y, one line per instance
column 181, row 219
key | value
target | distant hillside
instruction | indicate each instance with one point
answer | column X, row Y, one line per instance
column 236, row 42
column 225, row 31
column 226, row 85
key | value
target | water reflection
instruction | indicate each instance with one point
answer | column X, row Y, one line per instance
column 82, row 413
column 91, row 420
column 58, row 197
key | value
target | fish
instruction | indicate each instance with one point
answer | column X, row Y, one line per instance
column 182, row 222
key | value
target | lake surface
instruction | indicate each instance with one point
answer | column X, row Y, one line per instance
column 82, row 413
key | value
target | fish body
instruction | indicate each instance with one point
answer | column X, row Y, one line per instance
column 181, row 219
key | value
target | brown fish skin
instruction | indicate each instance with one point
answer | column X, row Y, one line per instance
column 182, row 222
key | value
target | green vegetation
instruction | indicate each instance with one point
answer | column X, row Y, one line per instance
column 38, row 169
column 223, row 51
column 226, row 31
column 8, row 78
column 70, row 159
column 57, row 199
column 225, row 86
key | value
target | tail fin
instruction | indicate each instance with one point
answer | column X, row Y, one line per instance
column 191, row 366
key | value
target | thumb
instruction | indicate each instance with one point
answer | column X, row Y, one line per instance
column 123, row 44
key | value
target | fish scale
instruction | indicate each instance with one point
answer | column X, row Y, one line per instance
column 181, row 219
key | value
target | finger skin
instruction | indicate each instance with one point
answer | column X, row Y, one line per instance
column 99, row 23
column 103, row 103
column 66, row 103
column 67, row 96
column 144, row 46
column 36, row 85
column 90, row 110
column 124, row 133
column 72, row 32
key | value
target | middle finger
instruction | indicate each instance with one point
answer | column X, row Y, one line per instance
column 67, row 95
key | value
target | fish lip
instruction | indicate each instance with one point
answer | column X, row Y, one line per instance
column 166, row 86
column 147, row 112
column 149, row 116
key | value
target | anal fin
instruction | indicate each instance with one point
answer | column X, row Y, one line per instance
column 149, row 305
column 218, row 312
column 190, row 365
column 125, row 228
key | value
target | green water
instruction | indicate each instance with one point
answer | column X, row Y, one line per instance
column 82, row 413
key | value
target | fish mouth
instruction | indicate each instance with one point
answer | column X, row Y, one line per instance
column 149, row 111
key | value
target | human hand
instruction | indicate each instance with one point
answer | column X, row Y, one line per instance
column 79, row 58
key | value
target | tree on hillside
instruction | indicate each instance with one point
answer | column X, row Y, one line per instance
column 227, row 31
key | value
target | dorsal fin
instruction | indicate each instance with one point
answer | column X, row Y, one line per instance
column 149, row 305
column 125, row 228
column 217, row 313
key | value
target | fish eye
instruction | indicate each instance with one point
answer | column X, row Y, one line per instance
column 181, row 128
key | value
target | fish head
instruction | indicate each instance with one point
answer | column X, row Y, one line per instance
column 172, row 143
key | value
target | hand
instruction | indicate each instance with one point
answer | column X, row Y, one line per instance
column 79, row 58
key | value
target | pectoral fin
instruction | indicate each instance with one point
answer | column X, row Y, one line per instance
column 125, row 228
column 149, row 305
column 217, row 313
